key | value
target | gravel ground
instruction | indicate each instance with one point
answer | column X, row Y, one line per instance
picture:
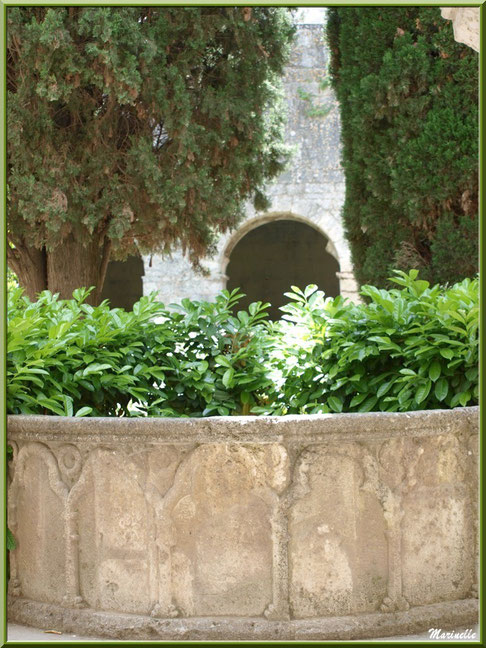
column 25, row 634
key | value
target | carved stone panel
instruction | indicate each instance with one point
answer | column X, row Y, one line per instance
column 437, row 525
column 113, row 519
column 218, row 537
column 337, row 548
column 473, row 470
column 37, row 518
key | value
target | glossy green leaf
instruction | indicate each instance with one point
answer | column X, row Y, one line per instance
column 441, row 388
column 384, row 388
column 227, row 377
column 335, row 403
column 11, row 544
column 84, row 411
column 422, row 392
column 447, row 353
column 434, row 370
column 356, row 400
column 368, row 404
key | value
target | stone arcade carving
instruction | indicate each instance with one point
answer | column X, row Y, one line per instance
column 290, row 523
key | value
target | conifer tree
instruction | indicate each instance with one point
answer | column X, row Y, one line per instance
column 136, row 129
column 408, row 97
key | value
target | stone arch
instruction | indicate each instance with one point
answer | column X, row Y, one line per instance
column 257, row 221
column 270, row 253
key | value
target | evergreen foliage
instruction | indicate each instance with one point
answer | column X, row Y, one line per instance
column 136, row 129
column 412, row 347
column 409, row 109
column 409, row 348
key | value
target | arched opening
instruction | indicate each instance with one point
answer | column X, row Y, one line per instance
column 123, row 282
column 274, row 256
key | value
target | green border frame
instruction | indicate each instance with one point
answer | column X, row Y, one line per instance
column 4, row 4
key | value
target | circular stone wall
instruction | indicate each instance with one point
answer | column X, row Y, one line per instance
column 321, row 527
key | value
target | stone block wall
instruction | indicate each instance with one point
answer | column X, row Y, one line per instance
column 319, row 527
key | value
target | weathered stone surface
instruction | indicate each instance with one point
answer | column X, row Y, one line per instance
column 219, row 515
column 466, row 24
column 436, row 505
column 338, row 549
column 446, row 616
column 277, row 527
column 37, row 508
column 114, row 531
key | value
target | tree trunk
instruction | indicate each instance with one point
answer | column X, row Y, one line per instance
column 30, row 266
column 69, row 266
column 74, row 265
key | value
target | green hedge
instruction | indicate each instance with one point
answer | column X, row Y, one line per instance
column 406, row 349
column 409, row 348
column 408, row 96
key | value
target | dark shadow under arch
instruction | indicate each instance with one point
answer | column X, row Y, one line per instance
column 123, row 282
column 274, row 256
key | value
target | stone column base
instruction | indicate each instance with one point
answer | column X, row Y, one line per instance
column 449, row 615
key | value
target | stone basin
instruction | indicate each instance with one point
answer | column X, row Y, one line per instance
column 320, row 527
